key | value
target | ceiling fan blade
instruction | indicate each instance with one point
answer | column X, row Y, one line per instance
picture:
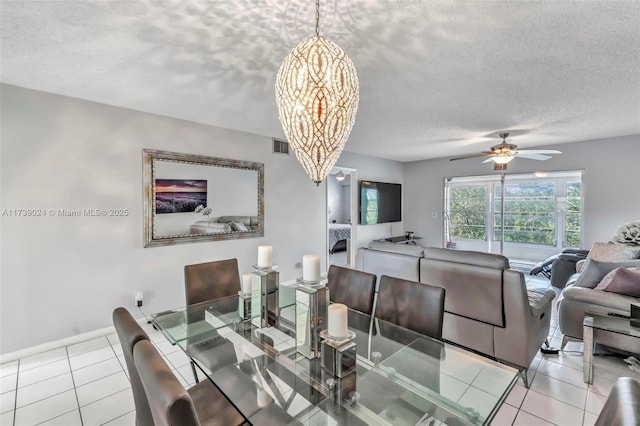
column 464, row 157
column 539, row 151
column 533, row 156
column 488, row 160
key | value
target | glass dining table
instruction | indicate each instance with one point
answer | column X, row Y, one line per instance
column 401, row 377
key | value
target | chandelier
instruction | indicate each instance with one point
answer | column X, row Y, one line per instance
column 317, row 98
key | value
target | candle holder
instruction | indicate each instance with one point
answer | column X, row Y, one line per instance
column 312, row 302
column 244, row 305
column 264, row 309
column 338, row 355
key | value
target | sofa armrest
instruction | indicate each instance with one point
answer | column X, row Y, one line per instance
column 539, row 301
column 618, row 302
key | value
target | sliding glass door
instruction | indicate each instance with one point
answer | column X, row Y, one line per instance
column 542, row 213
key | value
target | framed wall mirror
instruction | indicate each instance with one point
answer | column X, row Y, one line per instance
column 193, row 198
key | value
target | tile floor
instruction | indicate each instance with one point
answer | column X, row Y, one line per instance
column 87, row 384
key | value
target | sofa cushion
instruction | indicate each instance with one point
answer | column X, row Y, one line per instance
column 622, row 281
column 613, row 253
column 486, row 260
column 603, row 300
column 595, row 270
column 408, row 249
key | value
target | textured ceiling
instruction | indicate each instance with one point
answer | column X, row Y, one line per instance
column 437, row 78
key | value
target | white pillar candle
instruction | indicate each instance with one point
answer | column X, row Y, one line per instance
column 311, row 267
column 337, row 320
column 246, row 282
column 264, row 256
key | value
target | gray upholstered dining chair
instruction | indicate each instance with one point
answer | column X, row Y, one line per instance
column 410, row 304
column 211, row 280
column 171, row 403
column 130, row 333
column 351, row 287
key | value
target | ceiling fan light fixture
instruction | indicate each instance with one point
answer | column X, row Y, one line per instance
column 317, row 97
column 502, row 159
column 340, row 176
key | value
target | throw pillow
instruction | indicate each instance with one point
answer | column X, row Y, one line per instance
column 595, row 270
column 622, row 281
column 240, row 227
column 613, row 253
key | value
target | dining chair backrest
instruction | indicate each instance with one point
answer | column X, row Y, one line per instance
column 130, row 333
column 351, row 287
column 410, row 304
column 211, row 280
column 170, row 402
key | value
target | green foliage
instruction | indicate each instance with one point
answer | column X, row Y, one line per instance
column 529, row 212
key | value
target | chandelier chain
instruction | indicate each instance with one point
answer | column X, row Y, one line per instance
column 317, row 18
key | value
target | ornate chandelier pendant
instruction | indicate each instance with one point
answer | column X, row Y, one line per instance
column 317, row 98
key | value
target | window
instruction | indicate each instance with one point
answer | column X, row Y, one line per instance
column 543, row 211
column 466, row 213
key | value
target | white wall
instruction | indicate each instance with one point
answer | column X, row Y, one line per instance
column 64, row 275
column 610, row 191
column 345, row 201
column 334, row 202
column 376, row 169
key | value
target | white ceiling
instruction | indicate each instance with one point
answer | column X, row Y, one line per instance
column 437, row 78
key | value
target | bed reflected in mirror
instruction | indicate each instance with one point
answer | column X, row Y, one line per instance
column 191, row 198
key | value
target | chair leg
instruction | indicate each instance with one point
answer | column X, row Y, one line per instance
column 525, row 379
column 195, row 373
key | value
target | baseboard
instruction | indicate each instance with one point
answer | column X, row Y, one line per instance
column 55, row 344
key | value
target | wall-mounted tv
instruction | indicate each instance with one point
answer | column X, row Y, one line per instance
column 380, row 202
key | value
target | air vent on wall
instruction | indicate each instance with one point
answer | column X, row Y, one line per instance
column 280, row 147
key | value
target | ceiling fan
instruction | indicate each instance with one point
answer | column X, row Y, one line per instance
column 504, row 152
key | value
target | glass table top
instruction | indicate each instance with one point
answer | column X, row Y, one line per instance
column 401, row 377
column 611, row 323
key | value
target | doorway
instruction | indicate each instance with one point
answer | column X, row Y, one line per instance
column 341, row 216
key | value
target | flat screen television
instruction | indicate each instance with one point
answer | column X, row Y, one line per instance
column 380, row 202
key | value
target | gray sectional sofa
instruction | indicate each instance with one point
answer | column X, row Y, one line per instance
column 489, row 307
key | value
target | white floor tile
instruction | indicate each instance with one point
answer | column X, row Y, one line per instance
column 526, row 419
column 567, row 359
column 166, row 347
column 128, row 419
column 560, row 390
column 595, row 402
column 505, row 416
column 589, row 419
column 70, row 419
column 516, row 396
column 187, row 374
column 7, row 401
column 451, row 388
column 87, row 346
column 96, row 371
column 44, row 389
column 561, row 372
column 552, row 410
column 7, row 418
column 480, row 401
column 43, row 358
column 117, row 349
column 47, row 409
column 107, row 409
column 9, row 368
column 177, row 359
column 492, row 381
column 113, row 338
column 8, row 383
column 43, row 372
column 102, row 388
column 91, row 357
